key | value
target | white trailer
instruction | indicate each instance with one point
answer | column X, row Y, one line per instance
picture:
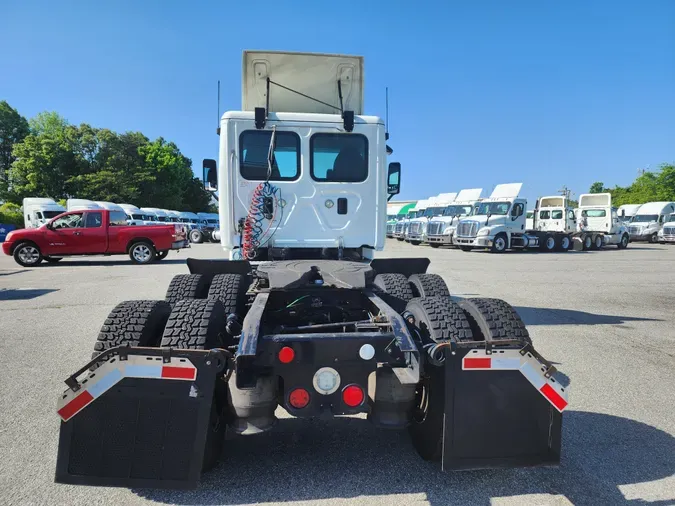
column 441, row 228
column 38, row 211
column 649, row 220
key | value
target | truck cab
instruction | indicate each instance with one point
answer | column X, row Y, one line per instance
column 667, row 233
column 498, row 222
column 417, row 229
column 554, row 214
column 135, row 216
column 81, row 205
column 442, row 228
column 38, row 211
column 158, row 215
column 649, row 220
column 626, row 212
column 596, row 215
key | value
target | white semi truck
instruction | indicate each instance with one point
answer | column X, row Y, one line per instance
column 598, row 222
column 158, row 215
column 81, row 204
column 667, row 233
column 300, row 317
column 627, row 211
column 649, row 220
column 418, row 212
column 135, row 216
column 38, row 211
column 402, row 224
column 441, row 228
column 417, row 229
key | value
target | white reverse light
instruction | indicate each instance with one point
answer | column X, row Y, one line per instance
column 366, row 352
column 326, row 380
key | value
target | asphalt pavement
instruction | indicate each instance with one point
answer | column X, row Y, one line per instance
column 607, row 319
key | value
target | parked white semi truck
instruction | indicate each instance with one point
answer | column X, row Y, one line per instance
column 667, row 233
column 38, row 211
column 137, row 217
column 419, row 209
column 441, row 228
column 402, row 224
column 598, row 222
column 627, row 211
column 649, row 219
column 159, row 215
column 417, row 229
column 81, row 204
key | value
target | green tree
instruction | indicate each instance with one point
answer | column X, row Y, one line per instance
column 13, row 129
column 195, row 197
column 168, row 173
column 597, row 187
column 48, row 122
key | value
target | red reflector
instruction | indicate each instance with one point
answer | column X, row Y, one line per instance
column 352, row 396
column 171, row 372
column 286, row 355
column 477, row 363
column 299, row 398
column 553, row 397
column 75, row 405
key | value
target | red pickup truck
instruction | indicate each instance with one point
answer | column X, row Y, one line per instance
column 93, row 232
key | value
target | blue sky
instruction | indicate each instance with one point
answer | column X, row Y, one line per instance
column 481, row 92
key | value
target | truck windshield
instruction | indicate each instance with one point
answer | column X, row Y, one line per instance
column 593, row 213
column 420, row 213
column 137, row 217
column 161, row 218
column 494, row 208
column 457, row 211
column 670, row 218
column 645, row 217
column 212, row 221
column 411, row 215
column 433, row 211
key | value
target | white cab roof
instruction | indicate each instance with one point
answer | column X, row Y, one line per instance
column 469, row 195
column 552, row 201
column 656, row 208
column 506, row 191
column 39, row 201
column 445, row 199
column 111, row 206
column 595, row 200
column 79, row 204
column 421, row 204
column 313, row 74
column 630, row 209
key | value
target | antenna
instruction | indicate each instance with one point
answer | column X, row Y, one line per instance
column 218, row 127
column 386, row 113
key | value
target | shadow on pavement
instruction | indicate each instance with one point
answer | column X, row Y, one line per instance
column 9, row 273
column 305, row 460
column 550, row 316
column 24, row 294
column 108, row 263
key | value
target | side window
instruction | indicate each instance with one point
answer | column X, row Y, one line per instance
column 118, row 218
column 68, row 221
column 556, row 215
column 340, row 158
column 254, row 147
column 570, row 215
column 517, row 210
column 94, row 220
column 544, row 215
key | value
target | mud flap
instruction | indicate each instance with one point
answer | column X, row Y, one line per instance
column 502, row 409
column 140, row 419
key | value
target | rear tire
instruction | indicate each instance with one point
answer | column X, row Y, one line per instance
column 395, row 290
column 494, row 319
column 200, row 325
column 549, row 243
column 587, row 242
column 623, row 243
column 230, row 290
column 196, row 236
column 565, row 243
column 133, row 323
column 428, row 285
column 142, row 252
column 187, row 286
column 654, row 238
column 161, row 255
column 597, row 242
column 436, row 320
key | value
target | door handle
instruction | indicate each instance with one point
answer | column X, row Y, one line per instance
column 77, row 233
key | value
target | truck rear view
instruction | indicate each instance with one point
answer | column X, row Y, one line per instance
column 299, row 316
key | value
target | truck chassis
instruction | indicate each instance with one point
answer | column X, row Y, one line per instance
column 233, row 341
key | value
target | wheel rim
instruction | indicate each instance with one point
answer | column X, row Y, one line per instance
column 588, row 242
column 500, row 244
column 142, row 253
column 598, row 242
column 29, row 255
column 654, row 238
column 195, row 235
column 550, row 243
column 565, row 242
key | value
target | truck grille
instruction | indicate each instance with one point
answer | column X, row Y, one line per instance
column 434, row 228
column 467, row 229
column 634, row 230
column 415, row 228
column 669, row 231
column 399, row 228
column 390, row 228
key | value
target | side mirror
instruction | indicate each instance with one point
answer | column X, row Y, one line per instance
column 394, row 179
column 210, row 175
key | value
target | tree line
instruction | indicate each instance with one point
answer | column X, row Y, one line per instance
column 649, row 186
column 45, row 156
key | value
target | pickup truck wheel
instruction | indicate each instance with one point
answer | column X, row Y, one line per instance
column 133, row 323
column 623, row 244
column 428, row 285
column 52, row 260
column 436, row 320
column 187, row 287
column 494, row 319
column 196, row 236
column 394, row 290
column 199, row 325
column 142, row 252
column 27, row 254
column 161, row 255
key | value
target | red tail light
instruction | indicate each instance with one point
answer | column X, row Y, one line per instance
column 299, row 398
column 353, row 396
column 286, row 355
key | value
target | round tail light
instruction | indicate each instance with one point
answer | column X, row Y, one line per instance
column 352, row 396
column 299, row 398
column 286, row 355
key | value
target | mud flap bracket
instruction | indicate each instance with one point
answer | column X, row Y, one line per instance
column 495, row 415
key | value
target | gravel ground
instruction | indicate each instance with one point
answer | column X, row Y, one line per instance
column 606, row 318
